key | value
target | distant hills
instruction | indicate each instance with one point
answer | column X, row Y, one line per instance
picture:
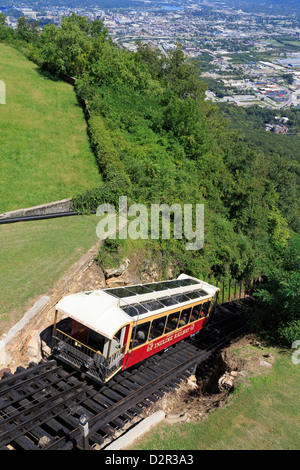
column 276, row 7
column 101, row 4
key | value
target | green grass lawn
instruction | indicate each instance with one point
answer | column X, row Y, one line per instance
column 44, row 148
column 33, row 257
column 262, row 416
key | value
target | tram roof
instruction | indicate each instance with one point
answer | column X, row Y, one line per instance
column 107, row 310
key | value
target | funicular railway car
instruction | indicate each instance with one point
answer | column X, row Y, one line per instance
column 108, row 330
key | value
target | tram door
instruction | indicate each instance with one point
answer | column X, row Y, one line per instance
column 117, row 341
column 116, row 348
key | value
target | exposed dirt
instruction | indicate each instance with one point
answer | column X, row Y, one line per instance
column 213, row 383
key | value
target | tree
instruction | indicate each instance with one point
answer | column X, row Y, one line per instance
column 28, row 30
column 182, row 76
column 278, row 315
column 2, row 19
column 288, row 77
column 72, row 48
column 153, row 58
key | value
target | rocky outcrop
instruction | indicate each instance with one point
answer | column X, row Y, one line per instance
column 25, row 342
column 136, row 270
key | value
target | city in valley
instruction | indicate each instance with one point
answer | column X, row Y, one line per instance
column 247, row 57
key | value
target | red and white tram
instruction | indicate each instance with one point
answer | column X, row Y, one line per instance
column 105, row 331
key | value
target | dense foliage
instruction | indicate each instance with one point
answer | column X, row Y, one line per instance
column 157, row 140
column 278, row 316
column 280, row 152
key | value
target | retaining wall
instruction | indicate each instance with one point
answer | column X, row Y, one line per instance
column 50, row 208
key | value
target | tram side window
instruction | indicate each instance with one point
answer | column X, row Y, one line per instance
column 139, row 334
column 157, row 328
column 172, row 322
column 196, row 313
column 185, row 317
column 205, row 308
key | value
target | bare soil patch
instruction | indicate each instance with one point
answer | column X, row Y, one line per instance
column 214, row 382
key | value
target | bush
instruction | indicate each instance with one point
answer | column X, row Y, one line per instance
column 88, row 201
column 278, row 317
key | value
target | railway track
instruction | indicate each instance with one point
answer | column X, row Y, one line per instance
column 41, row 406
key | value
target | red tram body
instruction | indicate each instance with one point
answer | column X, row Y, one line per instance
column 109, row 330
column 143, row 352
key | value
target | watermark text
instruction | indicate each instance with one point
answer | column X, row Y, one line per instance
column 163, row 222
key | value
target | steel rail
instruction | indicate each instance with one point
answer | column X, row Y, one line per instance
column 137, row 396
column 27, row 414
column 29, row 380
column 32, row 422
column 36, row 391
column 26, row 372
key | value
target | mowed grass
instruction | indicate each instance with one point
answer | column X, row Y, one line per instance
column 33, row 257
column 44, row 148
column 263, row 416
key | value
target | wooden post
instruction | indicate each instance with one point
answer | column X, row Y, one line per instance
column 53, row 340
column 229, row 290
column 223, row 292
column 217, row 298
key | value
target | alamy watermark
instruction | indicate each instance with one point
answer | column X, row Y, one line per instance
column 2, row 92
column 136, row 222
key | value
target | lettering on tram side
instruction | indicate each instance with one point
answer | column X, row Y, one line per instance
column 184, row 331
column 168, row 339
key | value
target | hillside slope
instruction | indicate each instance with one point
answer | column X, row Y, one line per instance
column 44, row 148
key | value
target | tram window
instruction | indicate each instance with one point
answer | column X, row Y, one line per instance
column 157, row 328
column 203, row 292
column 65, row 325
column 79, row 332
column 205, row 308
column 185, row 317
column 181, row 298
column 155, row 286
column 195, row 313
column 117, row 336
column 139, row 334
column 152, row 305
column 134, row 309
column 166, row 284
column 119, row 292
column 96, row 341
column 193, row 294
column 167, row 301
column 172, row 322
column 139, row 289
